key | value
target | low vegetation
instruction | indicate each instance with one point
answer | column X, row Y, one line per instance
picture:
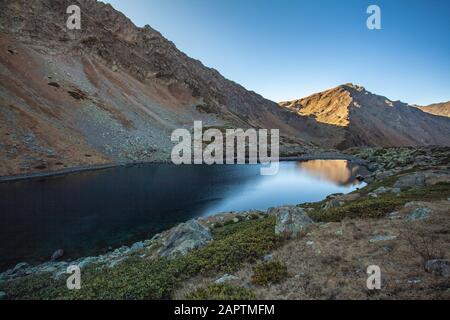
column 269, row 273
column 367, row 207
column 221, row 292
column 136, row 278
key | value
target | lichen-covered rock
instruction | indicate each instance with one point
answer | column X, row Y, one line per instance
column 291, row 220
column 382, row 190
column 438, row 267
column 226, row 278
column 334, row 203
column 422, row 179
column 413, row 180
column 183, row 238
column 420, row 213
column 382, row 237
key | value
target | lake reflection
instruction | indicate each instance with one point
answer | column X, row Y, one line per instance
column 88, row 212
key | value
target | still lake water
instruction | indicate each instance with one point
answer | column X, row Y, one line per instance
column 89, row 212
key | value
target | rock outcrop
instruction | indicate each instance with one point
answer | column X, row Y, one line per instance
column 291, row 221
column 182, row 239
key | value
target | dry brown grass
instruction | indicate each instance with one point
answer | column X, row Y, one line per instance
column 330, row 262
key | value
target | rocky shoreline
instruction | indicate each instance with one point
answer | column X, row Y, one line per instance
column 413, row 169
column 90, row 168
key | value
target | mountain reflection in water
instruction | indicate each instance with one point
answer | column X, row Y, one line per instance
column 341, row 172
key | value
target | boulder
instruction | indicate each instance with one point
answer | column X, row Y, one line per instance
column 420, row 213
column 381, row 190
column 57, row 255
column 291, row 220
column 19, row 269
column 334, row 203
column 226, row 278
column 183, row 238
column 422, row 179
column 384, row 174
column 413, row 180
column 382, row 237
column 438, row 267
column 137, row 246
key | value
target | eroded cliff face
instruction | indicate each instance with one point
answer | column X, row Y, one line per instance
column 367, row 119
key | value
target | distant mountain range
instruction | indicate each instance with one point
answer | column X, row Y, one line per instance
column 367, row 119
column 439, row 109
column 113, row 92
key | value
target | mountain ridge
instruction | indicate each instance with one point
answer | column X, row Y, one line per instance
column 369, row 119
column 438, row 109
column 113, row 92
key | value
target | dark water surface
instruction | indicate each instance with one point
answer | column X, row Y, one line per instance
column 86, row 213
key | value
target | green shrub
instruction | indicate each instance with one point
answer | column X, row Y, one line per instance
column 221, row 292
column 138, row 278
column 235, row 245
column 361, row 208
column 269, row 273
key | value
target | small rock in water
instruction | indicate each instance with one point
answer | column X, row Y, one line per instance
column 57, row 255
column 438, row 267
column 226, row 278
column 20, row 268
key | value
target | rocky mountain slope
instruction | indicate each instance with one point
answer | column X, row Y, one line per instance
column 438, row 109
column 110, row 92
column 113, row 92
column 367, row 119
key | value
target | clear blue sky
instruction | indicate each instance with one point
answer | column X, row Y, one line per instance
column 287, row 49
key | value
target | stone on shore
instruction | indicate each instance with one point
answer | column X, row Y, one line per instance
column 291, row 220
column 183, row 238
column 226, row 278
